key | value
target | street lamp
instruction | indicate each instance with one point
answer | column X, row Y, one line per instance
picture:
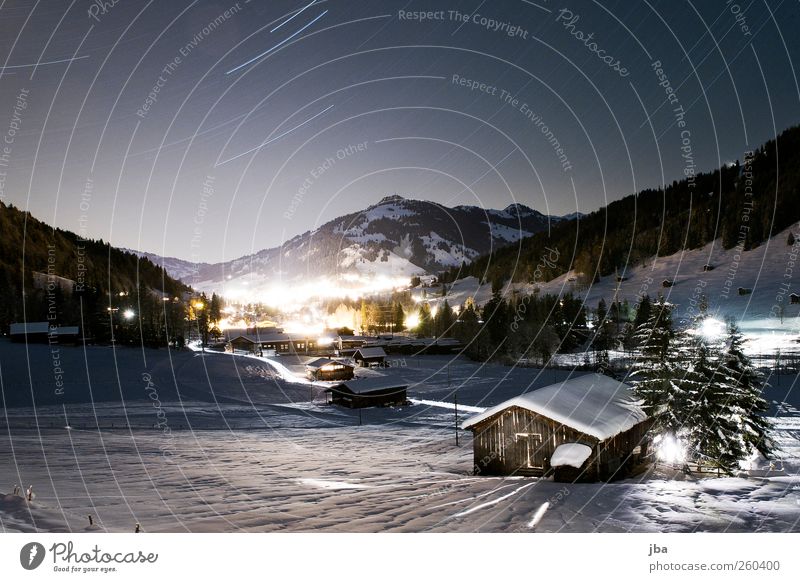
column 199, row 306
column 129, row 314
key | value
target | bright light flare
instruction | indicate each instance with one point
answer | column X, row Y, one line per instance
column 129, row 314
column 669, row 449
column 412, row 320
column 711, row 328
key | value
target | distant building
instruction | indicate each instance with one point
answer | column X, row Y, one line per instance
column 745, row 291
column 347, row 344
column 586, row 428
column 794, row 299
column 667, row 283
column 368, row 392
column 269, row 341
column 42, row 332
column 708, row 268
column 368, row 357
column 325, row 369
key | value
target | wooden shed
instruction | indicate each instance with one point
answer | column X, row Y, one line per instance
column 366, row 357
column 794, row 299
column 326, row 369
column 586, row 428
column 368, row 392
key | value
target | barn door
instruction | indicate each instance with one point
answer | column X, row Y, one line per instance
column 529, row 446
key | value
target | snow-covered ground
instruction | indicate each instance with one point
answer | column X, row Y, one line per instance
column 249, row 451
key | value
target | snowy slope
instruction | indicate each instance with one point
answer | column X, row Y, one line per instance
column 768, row 270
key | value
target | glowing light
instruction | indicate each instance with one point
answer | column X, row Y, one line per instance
column 325, row 341
column 129, row 314
column 669, row 449
column 711, row 328
column 412, row 320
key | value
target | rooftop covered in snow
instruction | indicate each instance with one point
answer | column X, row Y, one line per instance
column 593, row 404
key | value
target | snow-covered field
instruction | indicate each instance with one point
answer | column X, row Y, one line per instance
column 250, row 451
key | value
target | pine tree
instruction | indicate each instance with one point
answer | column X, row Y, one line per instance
column 748, row 403
column 654, row 372
column 399, row 317
column 707, row 424
column 444, row 319
column 425, row 327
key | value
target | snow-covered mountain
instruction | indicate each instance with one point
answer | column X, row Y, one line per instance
column 395, row 238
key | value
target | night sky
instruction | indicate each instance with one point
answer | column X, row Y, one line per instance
column 209, row 130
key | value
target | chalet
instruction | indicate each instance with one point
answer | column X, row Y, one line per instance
column 586, row 428
column 667, row 283
column 745, row 291
column 369, row 357
column 707, row 268
column 368, row 392
column 42, row 332
column 326, row 369
column 271, row 341
column 794, row 299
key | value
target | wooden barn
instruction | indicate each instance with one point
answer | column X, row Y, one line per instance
column 327, row 369
column 368, row 392
column 367, row 357
column 587, row 428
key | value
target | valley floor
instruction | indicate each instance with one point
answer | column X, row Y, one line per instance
column 256, row 454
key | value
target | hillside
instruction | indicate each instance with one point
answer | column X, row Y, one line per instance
column 740, row 205
column 81, row 275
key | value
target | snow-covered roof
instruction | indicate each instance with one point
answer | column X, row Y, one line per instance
column 570, row 455
column 361, row 385
column 593, row 404
column 320, row 362
column 371, row 352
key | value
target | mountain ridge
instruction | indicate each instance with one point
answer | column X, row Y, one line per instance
column 394, row 237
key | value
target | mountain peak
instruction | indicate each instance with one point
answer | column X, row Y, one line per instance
column 518, row 209
column 391, row 199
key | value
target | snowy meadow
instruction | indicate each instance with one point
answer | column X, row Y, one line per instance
column 185, row 441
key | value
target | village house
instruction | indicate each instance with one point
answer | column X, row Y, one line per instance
column 368, row 392
column 369, row 357
column 266, row 342
column 326, row 369
column 586, row 428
